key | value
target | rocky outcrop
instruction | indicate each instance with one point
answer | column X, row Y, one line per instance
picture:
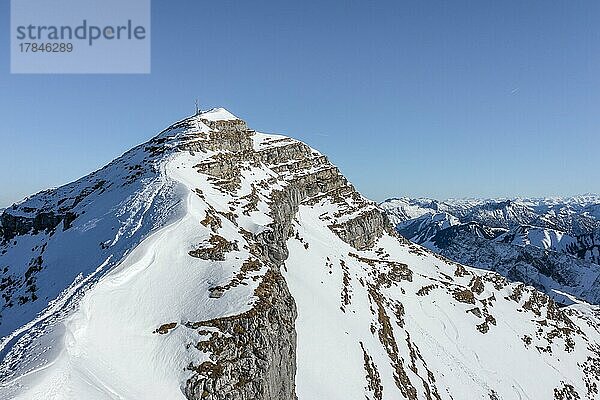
column 13, row 226
column 362, row 231
column 252, row 355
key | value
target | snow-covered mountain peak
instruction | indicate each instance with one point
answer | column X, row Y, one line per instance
column 201, row 123
column 215, row 262
column 217, row 114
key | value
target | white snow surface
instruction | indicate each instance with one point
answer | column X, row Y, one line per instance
column 108, row 348
column 543, row 238
column 218, row 114
column 466, row 363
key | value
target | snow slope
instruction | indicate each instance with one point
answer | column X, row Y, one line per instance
column 166, row 275
column 106, row 347
column 413, row 331
column 539, row 237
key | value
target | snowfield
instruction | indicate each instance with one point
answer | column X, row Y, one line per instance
column 440, row 333
column 125, row 284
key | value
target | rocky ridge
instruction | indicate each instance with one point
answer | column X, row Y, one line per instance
column 261, row 342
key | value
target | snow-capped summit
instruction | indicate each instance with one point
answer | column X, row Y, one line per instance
column 198, row 123
column 215, row 262
column 217, row 114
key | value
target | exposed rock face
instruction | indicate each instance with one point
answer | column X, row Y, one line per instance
column 12, row 226
column 363, row 231
column 253, row 355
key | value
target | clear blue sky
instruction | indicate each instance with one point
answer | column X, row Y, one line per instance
column 419, row 98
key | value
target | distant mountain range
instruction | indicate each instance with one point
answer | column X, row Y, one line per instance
column 550, row 243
